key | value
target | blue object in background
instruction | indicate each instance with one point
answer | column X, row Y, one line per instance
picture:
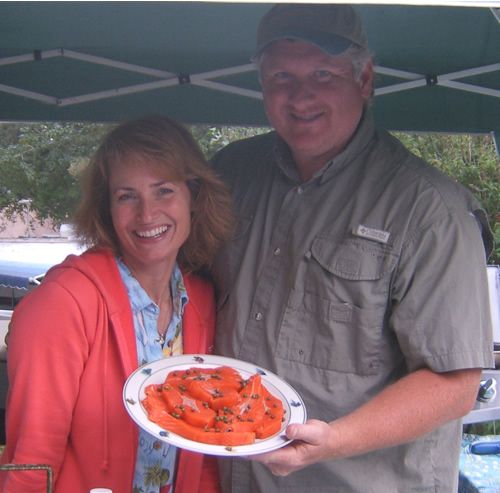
column 21, row 275
column 479, row 473
column 485, row 448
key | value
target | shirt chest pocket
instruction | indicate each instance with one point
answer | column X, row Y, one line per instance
column 335, row 315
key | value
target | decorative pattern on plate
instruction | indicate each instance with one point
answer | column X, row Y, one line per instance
column 156, row 372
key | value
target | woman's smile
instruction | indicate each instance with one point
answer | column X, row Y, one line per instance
column 152, row 233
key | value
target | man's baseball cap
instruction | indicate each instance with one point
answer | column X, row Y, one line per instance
column 332, row 27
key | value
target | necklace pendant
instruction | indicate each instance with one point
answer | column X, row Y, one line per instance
column 161, row 339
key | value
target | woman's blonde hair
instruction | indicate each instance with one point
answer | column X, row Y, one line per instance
column 159, row 140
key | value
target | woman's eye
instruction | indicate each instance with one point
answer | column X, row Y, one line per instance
column 123, row 197
column 162, row 191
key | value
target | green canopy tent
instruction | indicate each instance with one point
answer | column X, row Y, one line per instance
column 438, row 67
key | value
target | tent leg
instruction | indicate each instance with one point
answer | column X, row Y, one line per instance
column 496, row 141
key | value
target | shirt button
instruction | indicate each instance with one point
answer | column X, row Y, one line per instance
column 258, row 316
column 277, row 251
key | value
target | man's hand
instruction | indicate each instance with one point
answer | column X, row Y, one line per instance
column 311, row 444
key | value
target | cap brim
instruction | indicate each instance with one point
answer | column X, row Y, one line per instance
column 328, row 42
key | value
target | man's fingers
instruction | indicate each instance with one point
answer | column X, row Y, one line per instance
column 312, row 432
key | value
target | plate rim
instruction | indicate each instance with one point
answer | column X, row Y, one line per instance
column 136, row 382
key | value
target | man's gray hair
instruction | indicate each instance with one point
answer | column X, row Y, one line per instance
column 359, row 57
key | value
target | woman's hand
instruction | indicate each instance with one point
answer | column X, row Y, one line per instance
column 312, row 443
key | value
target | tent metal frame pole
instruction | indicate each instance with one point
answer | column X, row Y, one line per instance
column 108, row 62
column 470, row 88
column 119, row 91
column 28, row 94
column 34, row 56
column 446, row 80
column 218, row 86
column 205, row 79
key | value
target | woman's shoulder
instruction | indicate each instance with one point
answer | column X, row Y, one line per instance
column 87, row 263
column 89, row 273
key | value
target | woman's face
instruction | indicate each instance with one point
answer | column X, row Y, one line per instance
column 151, row 214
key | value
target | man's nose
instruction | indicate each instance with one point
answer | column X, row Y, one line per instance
column 301, row 90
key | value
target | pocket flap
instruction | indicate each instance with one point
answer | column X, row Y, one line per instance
column 354, row 259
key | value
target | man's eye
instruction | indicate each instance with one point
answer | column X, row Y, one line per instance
column 281, row 76
column 323, row 75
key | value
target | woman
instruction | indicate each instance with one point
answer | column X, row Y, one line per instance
column 153, row 214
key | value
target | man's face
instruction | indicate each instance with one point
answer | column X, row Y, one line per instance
column 312, row 99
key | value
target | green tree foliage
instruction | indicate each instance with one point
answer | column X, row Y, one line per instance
column 211, row 139
column 40, row 162
column 39, row 166
column 469, row 159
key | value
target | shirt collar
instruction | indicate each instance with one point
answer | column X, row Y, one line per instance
column 140, row 300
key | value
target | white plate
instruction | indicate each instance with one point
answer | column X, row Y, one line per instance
column 156, row 372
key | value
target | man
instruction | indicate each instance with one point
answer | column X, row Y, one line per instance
column 357, row 274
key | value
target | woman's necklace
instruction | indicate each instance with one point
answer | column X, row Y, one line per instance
column 164, row 319
column 161, row 339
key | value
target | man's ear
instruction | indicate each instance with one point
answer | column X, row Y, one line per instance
column 366, row 80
